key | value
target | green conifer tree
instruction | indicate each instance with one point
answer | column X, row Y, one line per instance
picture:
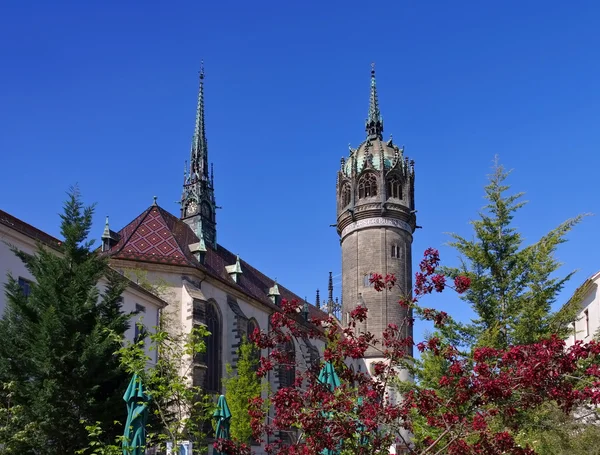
column 513, row 287
column 56, row 352
column 241, row 385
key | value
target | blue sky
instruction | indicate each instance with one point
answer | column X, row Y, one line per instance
column 103, row 94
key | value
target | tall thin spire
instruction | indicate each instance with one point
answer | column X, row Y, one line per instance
column 374, row 125
column 198, row 205
column 199, row 158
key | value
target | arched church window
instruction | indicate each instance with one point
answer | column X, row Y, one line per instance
column 212, row 382
column 287, row 370
column 394, row 187
column 346, row 192
column 252, row 326
column 367, row 186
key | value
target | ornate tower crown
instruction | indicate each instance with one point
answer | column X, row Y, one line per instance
column 198, row 205
column 376, row 179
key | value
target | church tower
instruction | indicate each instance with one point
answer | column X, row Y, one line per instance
column 375, row 222
column 198, row 205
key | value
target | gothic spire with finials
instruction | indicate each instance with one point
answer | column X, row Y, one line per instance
column 198, row 199
column 199, row 154
column 374, row 124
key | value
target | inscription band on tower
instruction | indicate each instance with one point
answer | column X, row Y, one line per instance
column 376, row 222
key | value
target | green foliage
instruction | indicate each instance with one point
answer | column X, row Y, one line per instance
column 513, row 286
column 551, row 432
column 179, row 410
column 96, row 445
column 139, row 276
column 57, row 363
column 242, row 385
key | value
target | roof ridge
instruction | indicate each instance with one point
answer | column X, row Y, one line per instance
column 23, row 227
column 260, row 274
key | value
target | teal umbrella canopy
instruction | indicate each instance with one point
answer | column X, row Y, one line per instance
column 134, row 441
column 329, row 378
column 222, row 415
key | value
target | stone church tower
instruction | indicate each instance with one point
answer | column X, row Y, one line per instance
column 375, row 222
column 198, row 205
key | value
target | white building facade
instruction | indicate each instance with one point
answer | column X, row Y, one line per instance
column 15, row 233
column 587, row 323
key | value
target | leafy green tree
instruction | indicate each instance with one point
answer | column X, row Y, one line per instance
column 57, row 362
column 241, row 386
column 179, row 410
column 513, row 287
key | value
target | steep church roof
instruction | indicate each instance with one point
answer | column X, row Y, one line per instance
column 157, row 236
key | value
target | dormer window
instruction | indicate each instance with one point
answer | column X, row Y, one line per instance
column 274, row 295
column 235, row 270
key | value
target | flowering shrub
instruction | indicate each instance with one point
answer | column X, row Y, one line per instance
column 473, row 410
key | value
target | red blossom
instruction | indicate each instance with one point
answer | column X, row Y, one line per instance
column 494, row 382
column 462, row 283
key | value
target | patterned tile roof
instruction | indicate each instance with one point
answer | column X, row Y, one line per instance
column 159, row 237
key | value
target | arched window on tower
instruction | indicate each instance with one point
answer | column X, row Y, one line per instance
column 345, row 194
column 394, row 187
column 287, row 370
column 367, row 186
column 212, row 380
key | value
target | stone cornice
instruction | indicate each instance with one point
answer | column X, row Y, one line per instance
column 376, row 222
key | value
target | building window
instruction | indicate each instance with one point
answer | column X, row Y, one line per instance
column 367, row 186
column 587, row 323
column 287, row 371
column 367, row 280
column 212, row 381
column 140, row 308
column 395, row 251
column 25, row 285
column 252, row 326
column 394, row 188
column 197, row 310
column 346, row 193
column 140, row 332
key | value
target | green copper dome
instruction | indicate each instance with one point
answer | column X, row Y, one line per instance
column 372, row 153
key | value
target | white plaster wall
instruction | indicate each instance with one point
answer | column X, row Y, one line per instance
column 591, row 303
column 149, row 318
column 9, row 263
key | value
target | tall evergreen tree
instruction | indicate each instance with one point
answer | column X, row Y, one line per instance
column 513, row 286
column 56, row 352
